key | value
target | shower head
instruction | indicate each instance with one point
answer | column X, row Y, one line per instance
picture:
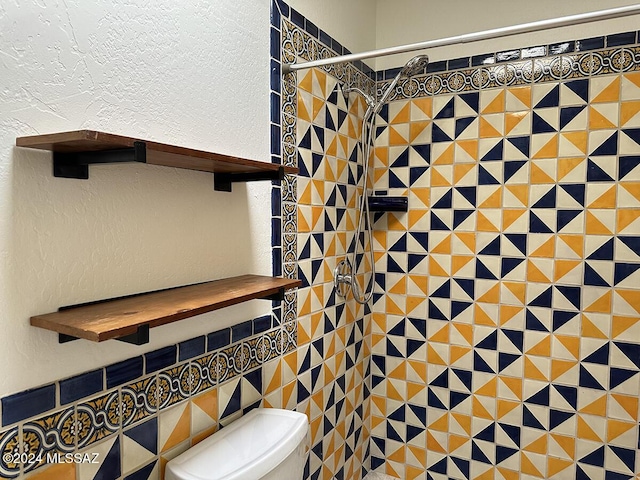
column 415, row 66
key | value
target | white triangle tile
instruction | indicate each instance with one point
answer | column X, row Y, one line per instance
column 133, row 454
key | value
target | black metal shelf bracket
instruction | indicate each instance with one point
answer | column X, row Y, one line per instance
column 275, row 297
column 76, row 164
column 140, row 337
column 222, row 181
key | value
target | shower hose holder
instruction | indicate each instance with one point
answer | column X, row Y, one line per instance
column 342, row 278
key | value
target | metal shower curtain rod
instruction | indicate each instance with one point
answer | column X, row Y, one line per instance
column 471, row 37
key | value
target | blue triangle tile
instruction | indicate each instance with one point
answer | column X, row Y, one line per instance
column 463, row 465
column 565, row 217
column 456, row 398
column 437, row 224
column 633, row 243
column 488, row 434
column 490, row 342
column 462, row 124
column 305, row 253
column 530, row 420
column 516, row 337
column 399, row 328
column 305, row 142
column 413, row 432
column 146, row 435
column 483, row 272
column 424, row 151
column 503, row 453
column 420, row 325
column 496, row 153
column 551, row 99
column 376, row 380
column 480, row 365
column 458, row 307
column 580, row 88
column 392, row 351
column 617, row 376
column 439, row 467
column 623, row 271
column 471, row 99
column 435, row 313
column 306, row 363
column 447, row 111
column 633, row 134
column 587, row 380
column 444, row 291
column 303, row 392
column 561, row 318
column 591, row 277
column 506, row 359
column 492, row 248
column 402, row 160
column 465, row 376
column 543, row 300
column 532, row 322
column 573, row 294
column 604, row 252
column 319, row 134
column 413, row 346
column 609, row 475
column 626, row 455
column 548, row 200
column 415, row 173
column 422, row 238
column 595, row 458
column 540, row 125
column 596, row 174
column 581, row 474
column 477, row 454
column 459, row 216
column 395, row 182
column 567, row 114
column 469, row 193
column 143, row 474
column 399, row 414
column 110, row 464
column 413, row 260
column 315, row 374
column 445, row 201
column 626, row 165
column 542, row 397
column 441, row 380
column 438, row 135
column 342, row 116
column 384, row 112
column 536, row 225
column 576, row 191
column 434, row 401
column 329, row 124
column 467, row 285
column 521, row 143
column 558, row 417
column 400, row 245
column 420, row 413
column 631, row 351
column 608, row 147
column 512, row 167
column 331, row 201
column 485, row 178
column 393, row 267
column 518, row 240
column 509, row 264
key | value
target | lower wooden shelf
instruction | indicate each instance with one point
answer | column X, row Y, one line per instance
column 129, row 318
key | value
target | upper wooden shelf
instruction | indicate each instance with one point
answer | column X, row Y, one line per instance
column 129, row 318
column 74, row 151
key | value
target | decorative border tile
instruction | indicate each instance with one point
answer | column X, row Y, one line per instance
column 98, row 418
column 174, row 385
column 54, row 433
column 139, row 400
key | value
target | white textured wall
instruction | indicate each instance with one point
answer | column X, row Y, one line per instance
column 400, row 22
column 192, row 73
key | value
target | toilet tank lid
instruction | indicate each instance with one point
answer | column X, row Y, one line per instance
column 248, row 448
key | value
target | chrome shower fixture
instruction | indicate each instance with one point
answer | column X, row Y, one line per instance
column 370, row 101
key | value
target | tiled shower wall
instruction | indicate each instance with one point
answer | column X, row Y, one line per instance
column 521, row 250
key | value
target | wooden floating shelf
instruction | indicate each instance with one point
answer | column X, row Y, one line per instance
column 129, row 318
column 74, row 151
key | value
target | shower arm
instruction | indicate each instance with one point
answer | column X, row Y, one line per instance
column 472, row 37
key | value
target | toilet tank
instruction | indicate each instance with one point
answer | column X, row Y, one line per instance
column 264, row 444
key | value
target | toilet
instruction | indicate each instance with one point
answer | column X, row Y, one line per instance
column 264, row 444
